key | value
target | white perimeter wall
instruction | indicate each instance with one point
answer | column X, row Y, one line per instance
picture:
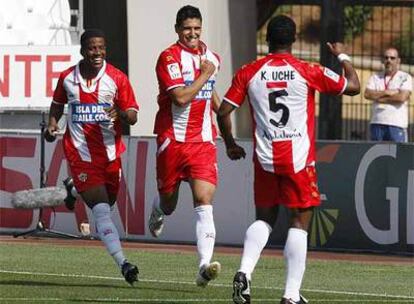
column 233, row 203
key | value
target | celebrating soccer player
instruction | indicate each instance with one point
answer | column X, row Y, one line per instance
column 186, row 73
column 98, row 96
column 281, row 92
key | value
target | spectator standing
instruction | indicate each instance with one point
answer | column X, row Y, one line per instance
column 390, row 92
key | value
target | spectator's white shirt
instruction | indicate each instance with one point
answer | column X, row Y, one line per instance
column 390, row 114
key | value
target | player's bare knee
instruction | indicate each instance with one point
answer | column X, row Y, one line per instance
column 300, row 222
column 203, row 198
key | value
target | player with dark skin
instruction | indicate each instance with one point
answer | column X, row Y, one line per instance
column 297, row 190
column 300, row 218
column 96, row 176
column 94, row 54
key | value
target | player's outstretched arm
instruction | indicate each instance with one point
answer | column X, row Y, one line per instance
column 338, row 49
column 234, row 151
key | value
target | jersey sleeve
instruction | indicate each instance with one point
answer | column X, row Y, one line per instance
column 325, row 80
column 125, row 95
column 168, row 71
column 407, row 83
column 371, row 83
column 238, row 89
column 59, row 95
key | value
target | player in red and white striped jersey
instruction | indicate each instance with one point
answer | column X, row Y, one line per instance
column 98, row 96
column 186, row 73
column 281, row 92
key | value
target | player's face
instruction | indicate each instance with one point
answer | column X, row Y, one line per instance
column 94, row 52
column 391, row 60
column 189, row 32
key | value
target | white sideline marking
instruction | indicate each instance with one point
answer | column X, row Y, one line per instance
column 211, row 284
column 182, row 300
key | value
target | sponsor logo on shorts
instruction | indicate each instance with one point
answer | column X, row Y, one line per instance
column 83, row 177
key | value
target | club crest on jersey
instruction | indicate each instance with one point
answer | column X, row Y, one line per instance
column 89, row 113
column 83, row 177
column 331, row 74
column 109, row 98
column 174, row 70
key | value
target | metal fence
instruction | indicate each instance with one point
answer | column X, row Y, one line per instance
column 366, row 29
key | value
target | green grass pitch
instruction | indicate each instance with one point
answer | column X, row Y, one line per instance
column 47, row 273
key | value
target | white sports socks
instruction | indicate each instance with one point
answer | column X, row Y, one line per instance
column 255, row 240
column 295, row 255
column 206, row 233
column 107, row 232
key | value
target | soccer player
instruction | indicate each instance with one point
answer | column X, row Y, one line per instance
column 186, row 73
column 280, row 90
column 98, row 96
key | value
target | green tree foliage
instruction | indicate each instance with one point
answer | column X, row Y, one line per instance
column 405, row 43
column 355, row 18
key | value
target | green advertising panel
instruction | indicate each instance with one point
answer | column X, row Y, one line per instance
column 367, row 193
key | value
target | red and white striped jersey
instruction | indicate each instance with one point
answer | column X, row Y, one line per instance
column 90, row 135
column 179, row 66
column 281, row 91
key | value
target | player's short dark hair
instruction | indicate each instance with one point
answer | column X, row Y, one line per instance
column 281, row 30
column 187, row 12
column 91, row 33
